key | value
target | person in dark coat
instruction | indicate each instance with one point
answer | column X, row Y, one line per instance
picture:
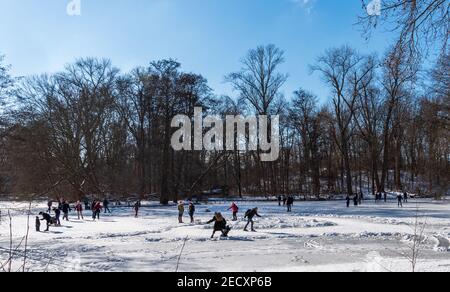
column 385, row 197
column 250, row 214
column 38, row 224
column 348, row 201
column 49, row 205
column 86, row 204
column 400, row 201
column 46, row 217
column 355, row 200
column 57, row 216
column 106, row 205
column 284, row 200
column 66, row 209
column 405, row 197
column 220, row 224
column 191, row 211
column 279, row 200
column 290, row 202
column 137, row 205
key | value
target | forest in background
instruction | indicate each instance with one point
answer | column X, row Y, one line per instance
column 94, row 130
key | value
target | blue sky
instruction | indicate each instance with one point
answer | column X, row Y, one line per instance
column 207, row 36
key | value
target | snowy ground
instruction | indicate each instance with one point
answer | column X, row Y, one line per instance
column 317, row 236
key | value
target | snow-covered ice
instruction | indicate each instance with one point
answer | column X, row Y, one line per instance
column 316, row 236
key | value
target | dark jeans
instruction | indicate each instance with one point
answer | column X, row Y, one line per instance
column 107, row 209
column 250, row 221
column 235, row 218
column 289, row 208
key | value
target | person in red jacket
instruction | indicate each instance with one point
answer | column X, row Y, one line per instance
column 97, row 210
column 235, row 209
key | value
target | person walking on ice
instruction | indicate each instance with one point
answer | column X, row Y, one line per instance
column 220, row 224
column 106, row 206
column 234, row 209
column 66, row 209
column 348, row 201
column 137, row 205
column 79, row 209
column 180, row 212
column 57, row 216
column 49, row 205
column 191, row 211
column 400, row 201
column 97, row 210
column 290, row 202
column 405, row 197
column 250, row 214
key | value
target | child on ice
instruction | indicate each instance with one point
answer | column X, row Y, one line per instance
column 235, row 209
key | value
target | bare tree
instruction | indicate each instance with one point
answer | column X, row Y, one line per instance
column 306, row 118
column 421, row 25
column 343, row 69
column 258, row 82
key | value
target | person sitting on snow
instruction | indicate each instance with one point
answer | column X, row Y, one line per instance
column 220, row 224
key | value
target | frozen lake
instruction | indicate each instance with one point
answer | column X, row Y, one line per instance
column 316, row 236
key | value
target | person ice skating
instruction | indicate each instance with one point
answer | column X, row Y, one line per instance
column 86, row 204
column 400, row 201
column 38, row 224
column 49, row 205
column 405, row 197
column 360, row 198
column 180, row 212
column 79, row 209
column 234, row 209
column 66, row 209
column 249, row 215
column 348, row 201
column 289, row 203
column 191, row 211
column 279, row 200
column 355, row 200
column 57, row 216
column 46, row 217
column 220, row 224
column 385, row 197
column 106, row 205
column 97, row 210
column 137, row 205
column 284, row 200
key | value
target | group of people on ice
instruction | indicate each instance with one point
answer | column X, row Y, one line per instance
column 357, row 199
column 220, row 223
column 64, row 207
column 287, row 201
